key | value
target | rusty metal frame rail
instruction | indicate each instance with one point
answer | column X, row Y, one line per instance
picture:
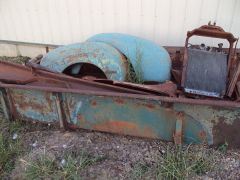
column 102, row 107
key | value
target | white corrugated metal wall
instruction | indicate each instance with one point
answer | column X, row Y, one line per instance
column 68, row 21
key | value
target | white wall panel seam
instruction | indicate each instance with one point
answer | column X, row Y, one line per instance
column 233, row 13
column 217, row 11
column 169, row 20
column 155, row 20
column 200, row 12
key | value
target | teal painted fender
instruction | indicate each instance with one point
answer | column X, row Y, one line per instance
column 154, row 60
column 102, row 55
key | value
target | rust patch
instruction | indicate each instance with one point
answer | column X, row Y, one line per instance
column 123, row 127
column 178, row 134
column 82, row 120
column 25, row 102
column 73, row 58
column 93, row 103
column 119, row 101
column 167, row 105
column 202, row 135
column 116, row 126
column 94, row 55
column 223, row 132
column 147, row 132
column 150, row 106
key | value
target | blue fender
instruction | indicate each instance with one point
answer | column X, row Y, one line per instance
column 155, row 61
column 102, row 55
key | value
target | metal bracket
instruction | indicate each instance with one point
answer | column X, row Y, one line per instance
column 59, row 110
column 178, row 134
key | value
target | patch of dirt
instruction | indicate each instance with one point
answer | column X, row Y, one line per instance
column 121, row 154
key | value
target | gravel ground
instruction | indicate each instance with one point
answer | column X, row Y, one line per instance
column 121, row 154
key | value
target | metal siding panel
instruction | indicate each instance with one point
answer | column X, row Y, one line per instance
column 134, row 17
column 2, row 20
column 192, row 17
column 63, row 22
column 108, row 15
column 25, row 23
column 177, row 22
column 235, row 26
column 86, row 25
column 224, row 19
column 163, row 18
column 96, row 16
column 209, row 13
column 38, row 20
column 73, row 20
column 6, row 17
column 64, row 18
column 148, row 18
column 53, row 24
column 121, row 11
column 13, row 20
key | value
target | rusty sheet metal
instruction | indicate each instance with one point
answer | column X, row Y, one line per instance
column 33, row 105
column 233, row 79
column 222, row 123
column 11, row 73
column 144, row 118
column 105, row 57
column 167, row 89
column 75, row 103
column 178, row 134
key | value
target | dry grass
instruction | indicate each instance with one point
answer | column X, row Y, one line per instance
column 67, row 167
column 10, row 148
column 178, row 163
column 181, row 163
column 135, row 75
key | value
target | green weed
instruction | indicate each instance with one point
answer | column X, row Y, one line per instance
column 138, row 171
column 68, row 168
column 9, row 150
column 180, row 163
column 135, row 74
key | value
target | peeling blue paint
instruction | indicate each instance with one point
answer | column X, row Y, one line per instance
column 102, row 55
column 154, row 60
